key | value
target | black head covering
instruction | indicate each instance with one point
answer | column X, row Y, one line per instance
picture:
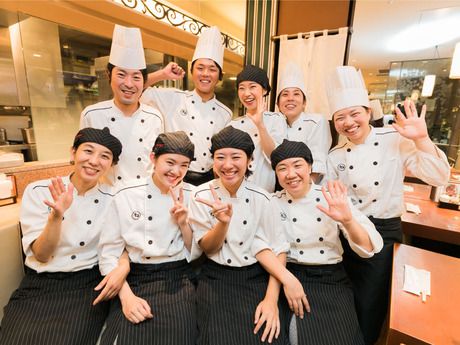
column 101, row 137
column 290, row 149
column 233, row 138
column 174, row 142
column 255, row 74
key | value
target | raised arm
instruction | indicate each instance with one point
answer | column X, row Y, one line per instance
column 45, row 244
column 172, row 71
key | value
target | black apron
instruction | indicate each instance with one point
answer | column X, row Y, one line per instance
column 371, row 278
column 54, row 309
column 227, row 298
column 169, row 290
column 332, row 320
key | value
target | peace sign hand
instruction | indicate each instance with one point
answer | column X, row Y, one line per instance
column 413, row 127
column 337, row 201
column 179, row 211
column 61, row 195
column 221, row 211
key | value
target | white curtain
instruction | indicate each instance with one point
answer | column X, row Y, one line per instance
column 317, row 57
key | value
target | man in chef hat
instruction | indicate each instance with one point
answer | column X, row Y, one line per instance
column 196, row 112
column 136, row 125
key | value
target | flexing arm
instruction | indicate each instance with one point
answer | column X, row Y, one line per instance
column 172, row 71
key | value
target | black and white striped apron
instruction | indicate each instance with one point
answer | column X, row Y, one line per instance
column 332, row 320
column 227, row 298
column 170, row 291
column 371, row 278
column 54, row 308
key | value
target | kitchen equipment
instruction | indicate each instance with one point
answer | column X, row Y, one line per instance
column 3, row 137
column 11, row 159
column 28, row 135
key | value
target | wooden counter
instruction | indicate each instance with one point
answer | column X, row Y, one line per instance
column 435, row 321
column 433, row 223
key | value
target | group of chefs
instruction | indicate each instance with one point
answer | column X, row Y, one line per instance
column 163, row 176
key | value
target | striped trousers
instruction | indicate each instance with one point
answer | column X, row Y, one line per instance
column 54, row 309
column 332, row 320
column 227, row 298
column 170, row 291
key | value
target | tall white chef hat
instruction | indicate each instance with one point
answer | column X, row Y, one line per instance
column 209, row 46
column 127, row 50
column 346, row 88
column 292, row 76
column 377, row 111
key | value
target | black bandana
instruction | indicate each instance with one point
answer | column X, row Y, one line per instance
column 231, row 137
column 290, row 149
column 255, row 74
column 174, row 142
column 101, row 137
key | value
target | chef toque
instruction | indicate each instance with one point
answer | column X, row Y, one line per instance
column 209, row 46
column 174, row 142
column 292, row 76
column 377, row 112
column 290, row 149
column 127, row 50
column 346, row 88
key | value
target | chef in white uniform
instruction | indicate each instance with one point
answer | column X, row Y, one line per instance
column 198, row 113
column 149, row 219
column 309, row 128
column 314, row 219
column 135, row 124
column 267, row 129
column 61, row 220
column 372, row 163
column 235, row 223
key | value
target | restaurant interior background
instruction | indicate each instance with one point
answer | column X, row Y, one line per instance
column 51, row 69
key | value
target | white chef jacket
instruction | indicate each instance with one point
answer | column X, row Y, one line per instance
column 80, row 229
column 139, row 220
column 313, row 130
column 186, row 111
column 374, row 171
column 254, row 225
column 314, row 236
column 263, row 174
column 137, row 134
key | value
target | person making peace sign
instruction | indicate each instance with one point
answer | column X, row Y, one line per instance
column 150, row 221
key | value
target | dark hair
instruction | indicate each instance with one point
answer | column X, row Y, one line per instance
column 110, row 68
column 221, row 75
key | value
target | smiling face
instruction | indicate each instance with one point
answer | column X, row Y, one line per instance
column 353, row 122
column 91, row 162
column 230, row 165
column 170, row 169
column 205, row 76
column 127, row 86
column 294, row 176
column 291, row 102
column 249, row 92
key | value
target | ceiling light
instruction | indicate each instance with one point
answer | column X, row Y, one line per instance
column 432, row 31
column 428, row 85
column 455, row 67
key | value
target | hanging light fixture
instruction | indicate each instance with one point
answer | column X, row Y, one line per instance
column 428, row 85
column 455, row 67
